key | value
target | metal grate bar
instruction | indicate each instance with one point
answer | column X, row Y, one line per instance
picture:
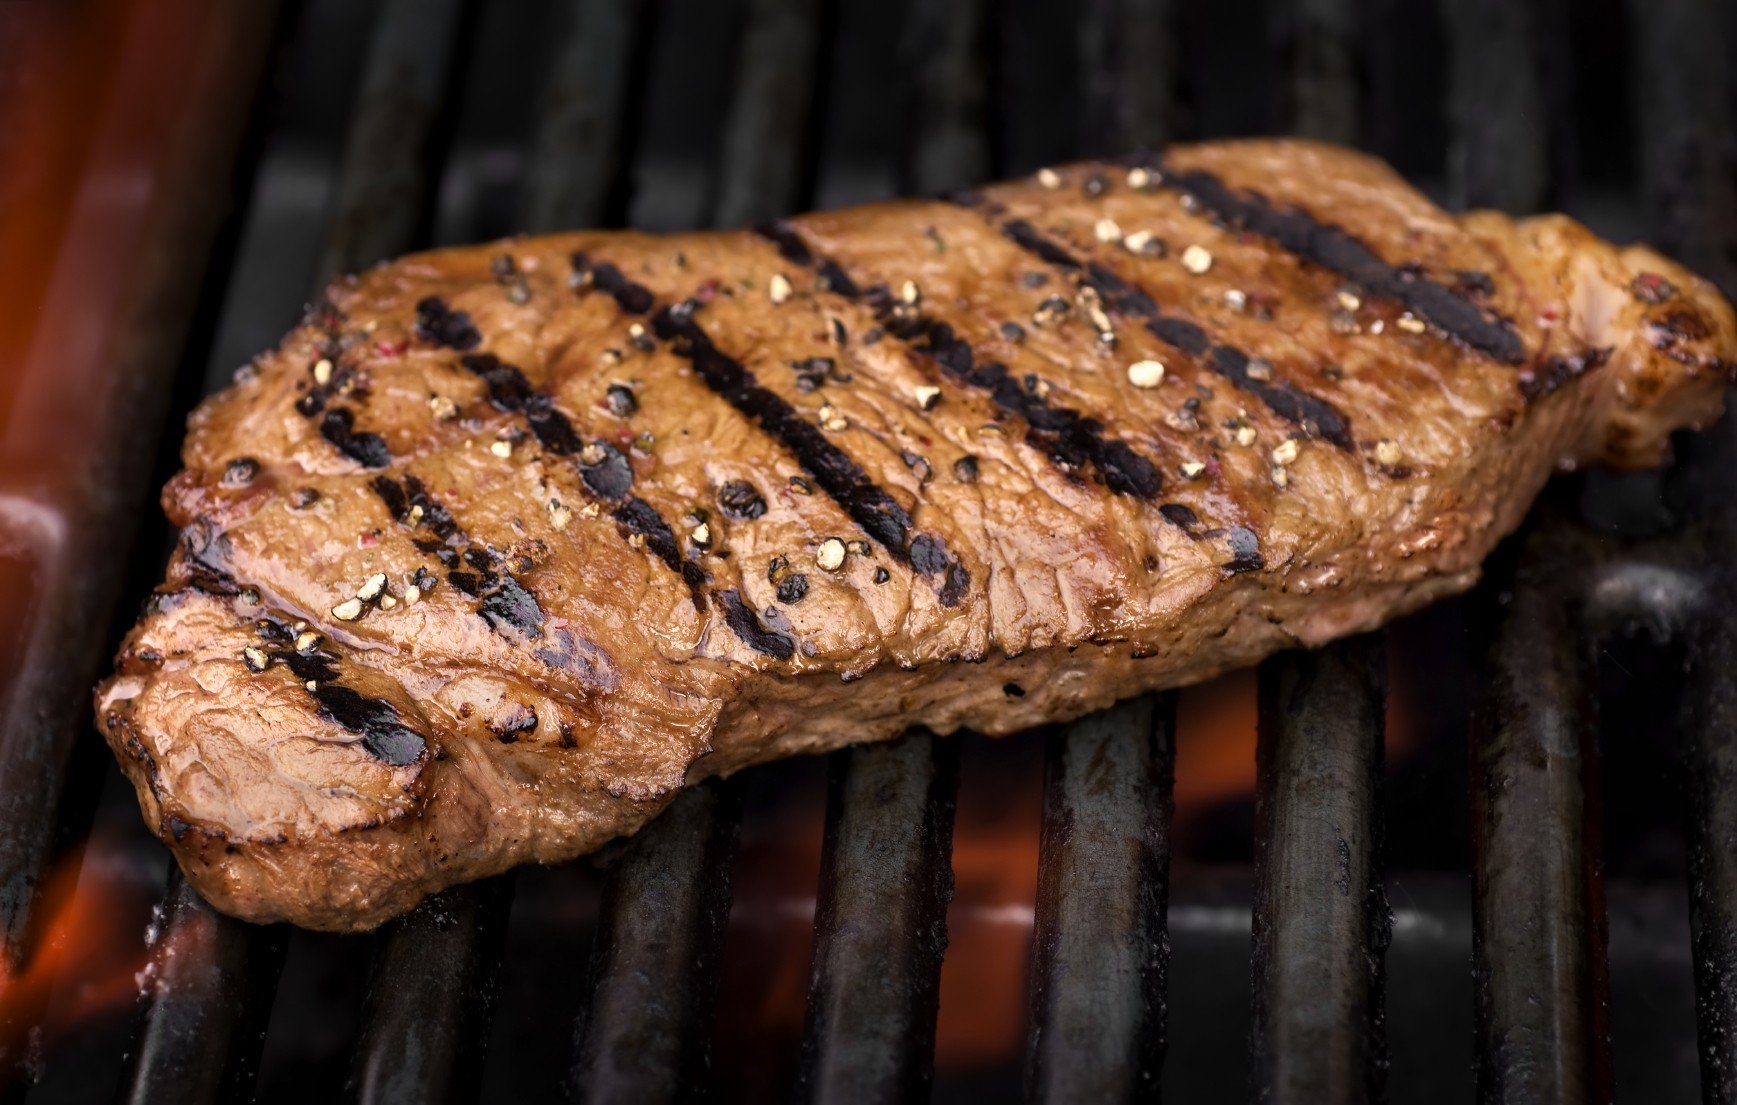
column 1321, row 921
column 211, row 950
column 1101, row 952
column 654, row 968
column 1318, row 43
column 1710, row 775
column 763, row 168
column 881, row 923
column 1503, row 150
column 571, row 180
column 210, row 989
column 1129, row 74
column 941, row 49
column 391, row 159
column 644, row 1036
column 1539, row 969
column 1687, row 95
column 431, row 999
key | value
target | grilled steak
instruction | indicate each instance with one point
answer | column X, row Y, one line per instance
column 504, row 545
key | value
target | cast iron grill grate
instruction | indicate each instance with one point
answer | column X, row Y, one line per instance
column 982, row 90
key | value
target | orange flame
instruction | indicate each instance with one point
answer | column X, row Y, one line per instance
column 94, row 909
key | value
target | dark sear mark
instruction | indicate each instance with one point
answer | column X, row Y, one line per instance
column 510, row 604
column 1182, row 517
column 1245, row 550
column 637, row 517
column 1315, row 415
column 604, row 469
column 504, row 602
column 510, row 391
column 440, row 324
column 870, row 506
column 1067, row 437
column 1546, row 378
column 754, row 633
column 635, row 299
column 1338, row 250
column 518, row 722
column 384, row 736
column 339, row 428
column 507, row 386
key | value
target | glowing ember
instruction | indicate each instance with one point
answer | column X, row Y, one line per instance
column 94, row 911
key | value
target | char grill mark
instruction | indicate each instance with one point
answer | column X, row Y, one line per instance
column 754, row 633
column 1536, row 383
column 638, row 517
column 339, row 428
column 383, row 733
column 631, row 297
column 869, row 505
column 604, row 470
column 503, row 602
column 439, row 323
column 1313, row 414
column 1339, row 251
column 1070, row 439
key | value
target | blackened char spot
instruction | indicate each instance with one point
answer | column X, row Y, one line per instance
column 1552, row 374
column 955, row 585
column 435, row 516
column 473, row 584
column 637, row 516
column 369, row 450
column 635, row 299
column 384, row 736
column 550, row 427
column 1336, row 249
column 1245, row 550
column 310, row 666
column 1182, row 517
column 869, row 506
column 610, row 476
column 397, row 502
column 747, row 625
column 440, row 324
column 510, row 604
column 1067, row 437
column 1314, row 414
column 517, row 722
column 508, row 388
column 790, row 244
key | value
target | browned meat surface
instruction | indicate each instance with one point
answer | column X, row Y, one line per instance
column 505, row 545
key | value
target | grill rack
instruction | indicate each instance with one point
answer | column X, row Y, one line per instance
column 1542, row 985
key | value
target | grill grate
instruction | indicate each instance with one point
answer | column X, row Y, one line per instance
column 973, row 104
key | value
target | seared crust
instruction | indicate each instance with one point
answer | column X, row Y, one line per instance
column 649, row 509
